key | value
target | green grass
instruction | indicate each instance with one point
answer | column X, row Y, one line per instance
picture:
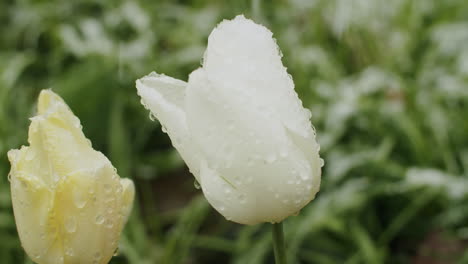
column 386, row 81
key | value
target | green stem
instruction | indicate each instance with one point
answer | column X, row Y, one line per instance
column 278, row 244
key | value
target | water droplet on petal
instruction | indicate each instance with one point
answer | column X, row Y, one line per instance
column 107, row 188
column 270, row 158
column 284, row 153
column 108, row 223
column 321, row 162
column 69, row 251
column 242, row 198
column 99, row 219
column 79, row 198
column 30, row 155
column 70, row 224
column 196, row 184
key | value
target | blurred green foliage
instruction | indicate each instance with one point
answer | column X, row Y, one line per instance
column 386, row 81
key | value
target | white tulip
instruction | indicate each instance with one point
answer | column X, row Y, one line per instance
column 69, row 203
column 240, row 126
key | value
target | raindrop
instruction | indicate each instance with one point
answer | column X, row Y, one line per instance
column 151, row 116
column 109, row 223
column 116, row 252
column 23, row 184
column 70, row 224
column 69, row 251
column 242, row 198
column 321, row 162
column 196, row 184
column 97, row 257
column 164, row 130
column 271, row 158
column 79, row 198
column 304, row 176
column 284, row 153
column 30, row 155
column 99, row 219
column 107, row 188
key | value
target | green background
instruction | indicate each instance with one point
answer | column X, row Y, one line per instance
column 386, row 81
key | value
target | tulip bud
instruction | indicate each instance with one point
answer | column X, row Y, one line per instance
column 240, row 126
column 69, row 203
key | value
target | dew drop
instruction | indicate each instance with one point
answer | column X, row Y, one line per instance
column 321, row 162
column 99, row 219
column 196, row 184
column 107, row 188
column 108, row 223
column 250, row 162
column 304, row 176
column 70, row 224
column 151, row 116
column 69, row 251
column 242, row 198
column 79, row 198
column 284, row 153
column 116, row 252
column 97, row 257
column 270, row 158
column 30, row 155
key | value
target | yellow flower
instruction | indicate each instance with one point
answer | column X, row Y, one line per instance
column 69, row 203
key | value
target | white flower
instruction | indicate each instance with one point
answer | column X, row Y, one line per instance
column 69, row 203
column 240, row 126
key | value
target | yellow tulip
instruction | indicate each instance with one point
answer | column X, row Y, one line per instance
column 69, row 203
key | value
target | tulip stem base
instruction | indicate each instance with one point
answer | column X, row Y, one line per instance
column 278, row 244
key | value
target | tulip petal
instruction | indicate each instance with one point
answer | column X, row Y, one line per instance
column 243, row 57
column 128, row 196
column 56, row 137
column 253, row 161
column 164, row 97
column 32, row 200
column 88, row 202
